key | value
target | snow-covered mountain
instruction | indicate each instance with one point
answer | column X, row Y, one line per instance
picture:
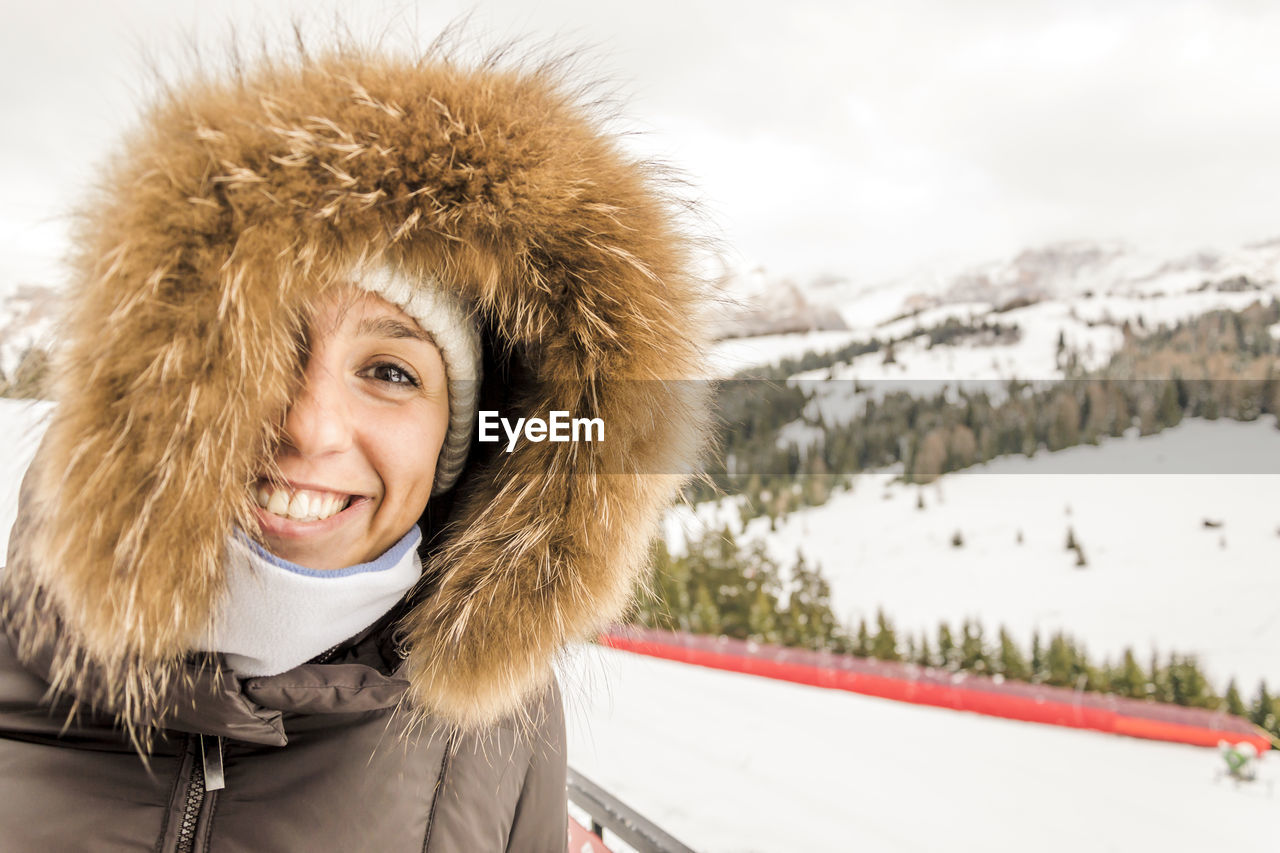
column 1085, row 291
column 755, row 303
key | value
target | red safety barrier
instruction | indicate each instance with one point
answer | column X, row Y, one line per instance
column 1037, row 703
column 582, row 841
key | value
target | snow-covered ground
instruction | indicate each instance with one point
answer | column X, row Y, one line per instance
column 21, row 426
column 1090, row 327
column 1033, row 356
column 1156, row 575
column 730, row 356
column 730, row 762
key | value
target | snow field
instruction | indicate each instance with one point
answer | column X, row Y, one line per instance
column 729, row 762
column 1156, row 576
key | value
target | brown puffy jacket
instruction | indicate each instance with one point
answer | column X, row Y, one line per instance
column 314, row 759
column 235, row 205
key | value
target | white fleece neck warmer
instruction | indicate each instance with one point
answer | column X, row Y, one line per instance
column 276, row 615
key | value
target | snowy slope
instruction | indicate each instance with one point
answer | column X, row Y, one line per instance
column 1085, row 291
column 734, row 354
column 1156, row 576
column 729, row 762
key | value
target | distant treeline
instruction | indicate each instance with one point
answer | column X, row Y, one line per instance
column 1220, row 365
column 720, row 588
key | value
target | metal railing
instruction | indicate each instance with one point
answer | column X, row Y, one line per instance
column 608, row 812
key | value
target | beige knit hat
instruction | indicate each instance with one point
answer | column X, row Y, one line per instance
column 452, row 326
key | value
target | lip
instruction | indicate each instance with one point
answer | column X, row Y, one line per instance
column 288, row 528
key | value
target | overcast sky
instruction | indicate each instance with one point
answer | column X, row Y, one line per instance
column 867, row 139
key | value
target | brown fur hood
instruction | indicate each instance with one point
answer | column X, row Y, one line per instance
column 232, row 208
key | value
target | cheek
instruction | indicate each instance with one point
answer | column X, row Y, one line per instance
column 407, row 449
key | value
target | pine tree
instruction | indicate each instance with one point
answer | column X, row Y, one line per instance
column 816, row 487
column 1038, row 670
column 885, row 644
column 1130, row 680
column 706, row 618
column 809, row 621
column 763, row 618
column 1087, row 676
column 1187, row 684
column 1012, row 663
column 762, row 587
column 862, row 643
column 1235, row 705
column 973, row 652
column 924, row 655
column 1261, row 713
column 1060, row 661
column 1169, row 413
column 947, row 653
column 1161, row 686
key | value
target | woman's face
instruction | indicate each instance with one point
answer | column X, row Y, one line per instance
column 360, row 443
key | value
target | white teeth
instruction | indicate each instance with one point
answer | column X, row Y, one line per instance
column 301, row 505
column 298, row 507
column 279, row 503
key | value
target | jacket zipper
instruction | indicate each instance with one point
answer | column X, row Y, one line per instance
column 206, row 777
column 435, row 796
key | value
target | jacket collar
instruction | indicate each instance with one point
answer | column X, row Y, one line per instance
column 207, row 697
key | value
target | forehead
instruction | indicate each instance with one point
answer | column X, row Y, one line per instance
column 358, row 313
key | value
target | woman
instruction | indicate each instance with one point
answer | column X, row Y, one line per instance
column 296, row 291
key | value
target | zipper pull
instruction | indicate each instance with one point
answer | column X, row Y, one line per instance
column 214, row 780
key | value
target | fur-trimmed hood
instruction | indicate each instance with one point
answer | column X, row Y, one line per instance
column 228, row 213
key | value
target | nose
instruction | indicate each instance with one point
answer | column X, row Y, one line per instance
column 320, row 419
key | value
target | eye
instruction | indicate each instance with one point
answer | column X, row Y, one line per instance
column 391, row 374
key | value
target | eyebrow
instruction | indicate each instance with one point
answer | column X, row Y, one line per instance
column 389, row 327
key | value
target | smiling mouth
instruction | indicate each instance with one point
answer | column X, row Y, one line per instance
column 300, row 504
